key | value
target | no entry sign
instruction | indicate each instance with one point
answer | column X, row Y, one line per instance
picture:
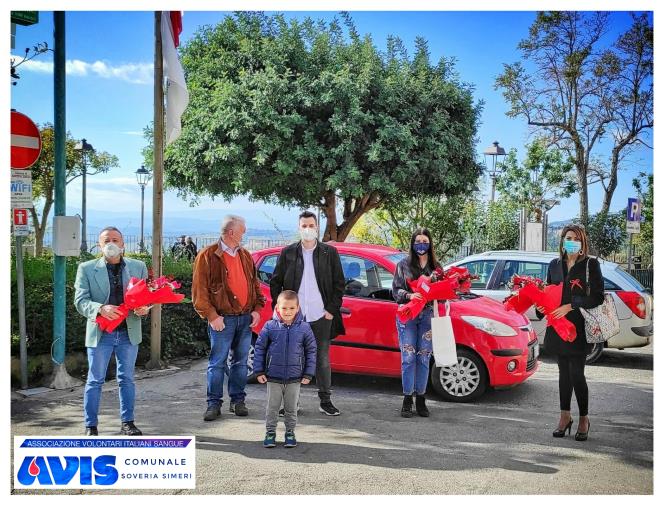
column 26, row 141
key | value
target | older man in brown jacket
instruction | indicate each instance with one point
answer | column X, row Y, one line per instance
column 226, row 292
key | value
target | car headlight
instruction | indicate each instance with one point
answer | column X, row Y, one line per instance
column 493, row 327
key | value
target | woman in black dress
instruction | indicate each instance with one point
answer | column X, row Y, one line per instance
column 578, row 292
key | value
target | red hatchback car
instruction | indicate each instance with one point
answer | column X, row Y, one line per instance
column 495, row 347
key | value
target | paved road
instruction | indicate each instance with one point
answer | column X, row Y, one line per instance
column 499, row 445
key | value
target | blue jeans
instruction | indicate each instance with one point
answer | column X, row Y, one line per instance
column 98, row 359
column 416, row 349
column 236, row 336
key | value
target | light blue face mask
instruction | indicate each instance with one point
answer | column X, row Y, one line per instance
column 572, row 247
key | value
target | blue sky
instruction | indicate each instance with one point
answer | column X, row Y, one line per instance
column 109, row 96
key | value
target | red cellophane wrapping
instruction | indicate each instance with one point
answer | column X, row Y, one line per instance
column 140, row 293
column 451, row 281
column 531, row 291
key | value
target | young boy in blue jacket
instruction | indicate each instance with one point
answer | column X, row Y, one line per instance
column 285, row 358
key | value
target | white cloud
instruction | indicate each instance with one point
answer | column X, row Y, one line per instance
column 137, row 73
column 42, row 67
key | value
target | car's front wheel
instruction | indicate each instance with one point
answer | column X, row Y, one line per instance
column 595, row 353
column 463, row 382
column 250, row 361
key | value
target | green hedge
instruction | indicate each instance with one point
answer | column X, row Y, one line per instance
column 183, row 332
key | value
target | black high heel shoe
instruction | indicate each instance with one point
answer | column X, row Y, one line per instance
column 561, row 432
column 582, row 436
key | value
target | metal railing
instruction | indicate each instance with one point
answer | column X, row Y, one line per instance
column 132, row 242
column 644, row 276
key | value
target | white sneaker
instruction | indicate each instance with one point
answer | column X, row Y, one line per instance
column 329, row 409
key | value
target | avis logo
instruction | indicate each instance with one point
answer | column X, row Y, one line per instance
column 50, row 471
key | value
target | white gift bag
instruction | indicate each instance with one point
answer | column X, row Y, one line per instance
column 442, row 335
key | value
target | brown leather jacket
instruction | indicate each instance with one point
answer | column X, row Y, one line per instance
column 210, row 293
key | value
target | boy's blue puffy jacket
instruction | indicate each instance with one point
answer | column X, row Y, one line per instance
column 285, row 353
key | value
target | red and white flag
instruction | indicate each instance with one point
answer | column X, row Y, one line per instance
column 177, row 96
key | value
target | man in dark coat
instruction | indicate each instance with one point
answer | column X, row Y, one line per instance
column 190, row 248
column 313, row 270
column 178, row 248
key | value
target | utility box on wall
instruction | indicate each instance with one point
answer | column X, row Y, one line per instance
column 66, row 236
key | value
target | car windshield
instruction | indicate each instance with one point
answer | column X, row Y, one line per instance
column 630, row 280
column 395, row 258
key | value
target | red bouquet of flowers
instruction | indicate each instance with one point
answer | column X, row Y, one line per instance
column 443, row 285
column 529, row 291
column 142, row 293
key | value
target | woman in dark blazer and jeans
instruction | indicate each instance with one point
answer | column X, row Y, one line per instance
column 570, row 269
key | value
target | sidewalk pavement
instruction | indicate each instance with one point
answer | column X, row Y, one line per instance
column 499, row 445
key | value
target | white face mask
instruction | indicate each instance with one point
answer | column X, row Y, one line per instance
column 308, row 234
column 111, row 250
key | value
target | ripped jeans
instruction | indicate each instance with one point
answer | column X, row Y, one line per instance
column 416, row 349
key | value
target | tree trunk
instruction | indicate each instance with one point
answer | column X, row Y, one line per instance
column 330, row 210
column 39, row 233
column 354, row 209
column 582, row 162
column 40, row 226
column 583, row 197
column 345, row 228
column 613, row 180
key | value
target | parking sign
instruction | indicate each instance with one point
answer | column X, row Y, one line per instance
column 633, row 215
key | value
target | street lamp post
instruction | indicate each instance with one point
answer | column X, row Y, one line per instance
column 493, row 151
column 85, row 149
column 142, row 176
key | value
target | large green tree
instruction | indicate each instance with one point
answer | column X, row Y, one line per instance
column 606, row 233
column 313, row 114
column 462, row 220
column 543, row 174
column 491, row 226
column 43, row 176
column 394, row 223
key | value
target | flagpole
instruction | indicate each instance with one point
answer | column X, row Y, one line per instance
column 157, row 192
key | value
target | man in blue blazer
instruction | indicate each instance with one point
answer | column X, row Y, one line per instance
column 100, row 288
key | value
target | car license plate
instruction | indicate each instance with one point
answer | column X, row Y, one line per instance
column 533, row 352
